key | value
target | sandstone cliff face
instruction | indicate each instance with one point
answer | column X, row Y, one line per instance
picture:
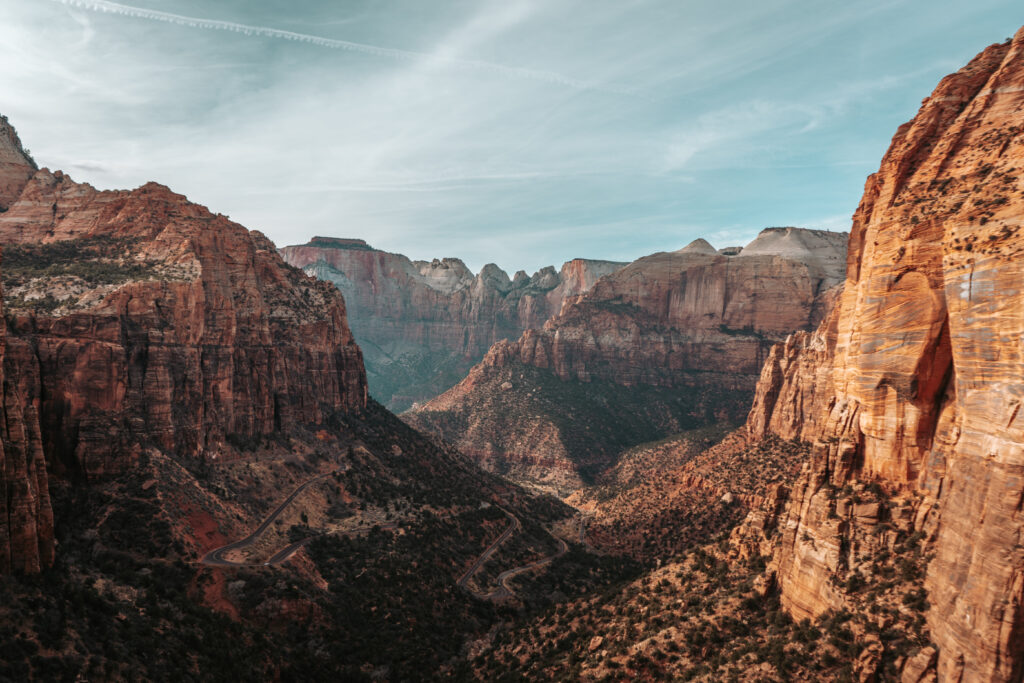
column 691, row 310
column 694, row 323
column 424, row 324
column 138, row 320
column 16, row 167
column 915, row 382
column 26, row 517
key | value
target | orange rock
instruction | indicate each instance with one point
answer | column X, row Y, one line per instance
column 171, row 327
column 917, row 379
column 690, row 310
column 693, row 320
column 16, row 167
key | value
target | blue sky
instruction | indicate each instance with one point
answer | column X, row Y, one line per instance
column 521, row 132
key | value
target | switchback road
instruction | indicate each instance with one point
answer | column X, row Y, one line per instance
column 504, row 589
column 216, row 557
column 486, row 555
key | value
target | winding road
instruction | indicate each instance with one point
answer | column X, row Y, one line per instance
column 514, row 524
column 504, row 589
column 216, row 558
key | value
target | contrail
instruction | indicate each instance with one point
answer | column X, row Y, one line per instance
column 375, row 50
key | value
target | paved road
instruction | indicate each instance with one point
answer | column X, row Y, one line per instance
column 216, row 557
column 504, row 589
column 509, row 574
column 486, row 555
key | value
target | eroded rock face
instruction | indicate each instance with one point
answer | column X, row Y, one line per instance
column 16, row 167
column 26, row 525
column 690, row 310
column 424, row 324
column 916, row 381
column 695, row 323
column 137, row 319
column 26, row 518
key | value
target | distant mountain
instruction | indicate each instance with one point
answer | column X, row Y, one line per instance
column 423, row 324
column 672, row 341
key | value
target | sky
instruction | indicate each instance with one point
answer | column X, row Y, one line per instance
column 519, row 132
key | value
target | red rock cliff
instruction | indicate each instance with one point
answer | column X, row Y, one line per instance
column 16, row 167
column 26, row 522
column 137, row 319
column 422, row 325
column 26, row 518
column 686, row 331
column 916, row 380
column 691, row 310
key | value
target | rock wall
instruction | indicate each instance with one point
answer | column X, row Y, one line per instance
column 136, row 319
column 424, row 324
column 26, row 517
column 693, row 310
column 26, row 522
column 16, row 166
column 672, row 341
column 915, row 382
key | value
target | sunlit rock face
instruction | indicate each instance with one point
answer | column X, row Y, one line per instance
column 423, row 324
column 692, row 310
column 673, row 341
column 16, row 167
column 135, row 320
column 916, row 380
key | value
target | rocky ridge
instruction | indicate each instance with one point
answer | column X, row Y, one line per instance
column 137, row 320
column 423, row 324
column 16, row 166
column 913, row 384
column 171, row 388
column 694, row 323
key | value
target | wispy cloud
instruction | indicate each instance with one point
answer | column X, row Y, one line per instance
column 440, row 58
column 489, row 134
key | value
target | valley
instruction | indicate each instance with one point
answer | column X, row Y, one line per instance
column 799, row 459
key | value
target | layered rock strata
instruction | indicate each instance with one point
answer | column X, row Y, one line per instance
column 26, row 518
column 423, row 324
column 137, row 319
column 914, row 383
column 693, row 310
column 16, row 166
column 26, row 525
column 695, row 323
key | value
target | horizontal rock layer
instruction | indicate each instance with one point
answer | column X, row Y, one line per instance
column 684, row 311
column 423, row 324
column 695, row 322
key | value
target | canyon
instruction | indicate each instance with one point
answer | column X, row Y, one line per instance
column 891, row 542
column 173, row 391
column 673, row 341
column 423, row 324
column 195, row 480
